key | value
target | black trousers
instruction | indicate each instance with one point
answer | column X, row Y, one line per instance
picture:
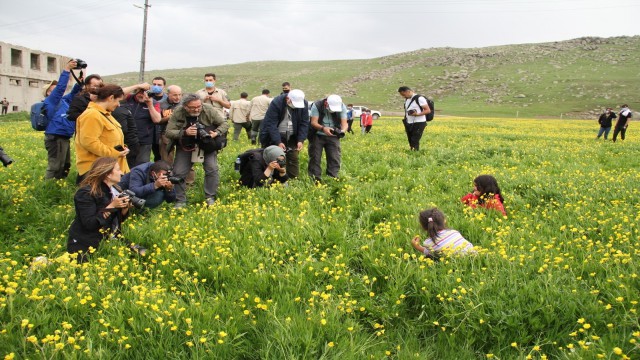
column 414, row 133
column 621, row 131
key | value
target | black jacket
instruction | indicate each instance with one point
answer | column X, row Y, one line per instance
column 269, row 134
column 605, row 121
column 78, row 105
column 89, row 226
column 252, row 171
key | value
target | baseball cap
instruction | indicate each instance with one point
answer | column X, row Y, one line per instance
column 297, row 98
column 335, row 103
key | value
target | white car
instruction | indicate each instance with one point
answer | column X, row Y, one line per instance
column 357, row 111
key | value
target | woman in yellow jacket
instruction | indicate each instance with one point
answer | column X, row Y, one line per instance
column 98, row 133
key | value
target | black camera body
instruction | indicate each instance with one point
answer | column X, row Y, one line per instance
column 6, row 159
column 202, row 132
column 119, row 147
column 174, row 179
column 412, row 112
column 81, row 64
column 137, row 202
column 337, row 132
column 281, row 163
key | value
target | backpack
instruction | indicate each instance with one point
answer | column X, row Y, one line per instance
column 243, row 167
column 39, row 119
column 432, row 106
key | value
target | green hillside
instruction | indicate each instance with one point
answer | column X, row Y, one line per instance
column 575, row 78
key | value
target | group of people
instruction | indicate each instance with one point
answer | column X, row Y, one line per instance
column 606, row 119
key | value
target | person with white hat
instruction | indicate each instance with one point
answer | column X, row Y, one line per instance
column 286, row 124
column 328, row 126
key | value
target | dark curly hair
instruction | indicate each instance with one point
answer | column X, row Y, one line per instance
column 487, row 185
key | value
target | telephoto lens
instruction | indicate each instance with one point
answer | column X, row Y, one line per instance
column 6, row 159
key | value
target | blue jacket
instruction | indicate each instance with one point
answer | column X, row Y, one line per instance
column 57, row 105
column 269, row 134
column 139, row 181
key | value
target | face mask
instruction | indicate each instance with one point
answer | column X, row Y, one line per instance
column 286, row 91
column 156, row 89
column 209, row 84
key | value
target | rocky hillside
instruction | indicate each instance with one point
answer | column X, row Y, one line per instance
column 575, row 78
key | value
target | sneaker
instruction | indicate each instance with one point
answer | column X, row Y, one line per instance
column 211, row 201
column 180, row 205
column 140, row 250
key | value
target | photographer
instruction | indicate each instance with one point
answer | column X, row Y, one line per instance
column 100, row 209
column 260, row 167
column 189, row 127
column 286, row 124
column 416, row 109
column 328, row 126
column 151, row 182
column 146, row 115
column 59, row 129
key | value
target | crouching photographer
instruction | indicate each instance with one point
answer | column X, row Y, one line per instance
column 100, row 208
column 260, row 167
column 152, row 182
column 6, row 159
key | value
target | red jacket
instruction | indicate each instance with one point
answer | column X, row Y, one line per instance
column 366, row 119
column 495, row 203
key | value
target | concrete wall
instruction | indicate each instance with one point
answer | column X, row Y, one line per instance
column 24, row 72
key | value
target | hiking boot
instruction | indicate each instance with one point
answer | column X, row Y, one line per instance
column 210, row 201
column 180, row 205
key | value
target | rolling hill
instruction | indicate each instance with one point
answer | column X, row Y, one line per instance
column 574, row 78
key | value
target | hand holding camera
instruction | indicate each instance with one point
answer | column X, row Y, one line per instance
column 412, row 112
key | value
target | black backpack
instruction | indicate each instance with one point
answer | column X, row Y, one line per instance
column 430, row 102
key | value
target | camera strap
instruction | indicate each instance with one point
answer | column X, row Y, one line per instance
column 76, row 78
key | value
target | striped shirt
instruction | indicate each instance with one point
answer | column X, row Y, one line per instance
column 448, row 240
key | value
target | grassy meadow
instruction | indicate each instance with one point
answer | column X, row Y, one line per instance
column 328, row 272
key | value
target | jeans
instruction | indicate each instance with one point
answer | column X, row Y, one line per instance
column 181, row 166
column 237, row 129
column 255, row 129
column 154, row 199
column 58, row 156
column 605, row 131
column 331, row 147
column 621, row 131
column 414, row 133
column 350, row 123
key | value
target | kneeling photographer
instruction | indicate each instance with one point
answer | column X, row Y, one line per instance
column 199, row 132
column 151, row 181
column 260, row 167
column 328, row 126
column 100, row 207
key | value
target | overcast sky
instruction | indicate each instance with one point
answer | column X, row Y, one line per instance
column 194, row 33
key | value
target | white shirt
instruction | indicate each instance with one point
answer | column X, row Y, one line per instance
column 417, row 106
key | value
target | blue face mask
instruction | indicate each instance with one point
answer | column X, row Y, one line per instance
column 209, row 84
column 156, row 89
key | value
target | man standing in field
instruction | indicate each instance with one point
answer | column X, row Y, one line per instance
column 214, row 96
column 239, row 115
column 416, row 109
column 624, row 117
column 5, row 106
column 328, row 126
column 259, row 106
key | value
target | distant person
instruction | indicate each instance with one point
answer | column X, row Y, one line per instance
column 415, row 120
column 441, row 240
column 59, row 130
column 286, row 125
column 605, row 123
column 213, row 95
column 262, row 167
column 286, row 87
column 624, row 117
column 486, row 193
column 98, row 133
column 5, row 105
column 350, row 118
column 259, row 106
column 183, row 129
column 99, row 210
column 239, row 115
column 150, row 181
column 146, row 114
column 328, row 120
column 366, row 121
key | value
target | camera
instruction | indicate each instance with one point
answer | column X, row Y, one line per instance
column 281, row 163
column 202, row 132
column 119, row 147
column 412, row 112
column 174, row 179
column 6, row 159
column 136, row 201
column 81, row 64
column 337, row 132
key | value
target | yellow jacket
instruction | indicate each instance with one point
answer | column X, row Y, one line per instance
column 97, row 132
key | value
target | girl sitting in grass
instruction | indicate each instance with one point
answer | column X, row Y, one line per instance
column 441, row 239
column 486, row 194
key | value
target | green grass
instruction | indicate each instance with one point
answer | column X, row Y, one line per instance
column 328, row 271
column 567, row 77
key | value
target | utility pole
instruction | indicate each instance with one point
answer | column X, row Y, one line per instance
column 144, row 39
